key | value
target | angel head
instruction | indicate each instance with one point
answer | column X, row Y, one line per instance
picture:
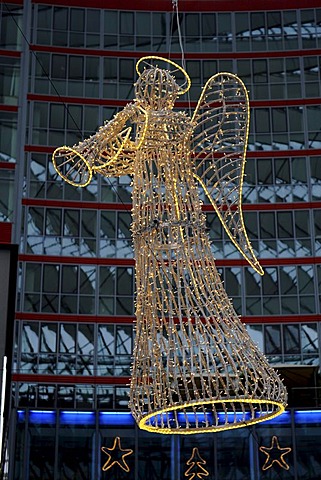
column 157, row 88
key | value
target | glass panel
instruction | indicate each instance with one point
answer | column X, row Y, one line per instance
column 309, row 338
column 106, row 340
column 272, row 337
column 302, row 223
column 69, row 279
column 288, row 280
column 48, row 339
column 230, row 457
column 41, row 440
column 285, row 224
column 51, row 278
column 124, row 281
column 123, row 340
column 85, row 339
column 256, row 333
column 270, row 282
column 267, row 225
column 67, row 340
column 75, row 447
column 291, row 339
column 30, row 337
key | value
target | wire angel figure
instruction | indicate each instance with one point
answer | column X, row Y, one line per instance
column 195, row 368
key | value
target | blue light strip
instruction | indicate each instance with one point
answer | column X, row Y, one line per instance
column 283, row 419
column 116, row 418
column 77, row 418
column 71, row 417
column 47, row 417
column 307, row 416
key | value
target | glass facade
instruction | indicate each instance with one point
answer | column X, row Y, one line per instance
column 64, row 71
column 67, row 444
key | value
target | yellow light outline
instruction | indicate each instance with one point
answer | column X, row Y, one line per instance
column 281, row 462
column 256, row 266
column 128, row 451
column 199, row 463
column 72, row 150
column 189, row 431
column 121, row 148
column 154, row 57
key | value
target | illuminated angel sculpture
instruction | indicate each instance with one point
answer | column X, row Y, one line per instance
column 195, row 368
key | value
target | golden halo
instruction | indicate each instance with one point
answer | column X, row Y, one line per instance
column 153, row 57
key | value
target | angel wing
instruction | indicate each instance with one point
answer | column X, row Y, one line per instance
column 221, row 120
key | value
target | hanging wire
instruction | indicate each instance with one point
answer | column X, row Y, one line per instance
column 180, row 41
column 113, row 187
column 44, row 70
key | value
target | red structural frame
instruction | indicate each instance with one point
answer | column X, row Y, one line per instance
column 189, row 5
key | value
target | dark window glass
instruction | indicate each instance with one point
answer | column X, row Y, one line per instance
column 76, row 67
column 264, row 171
column 192, row 24
column 124, row 281
column 306, row 279
column 252, row 283
column 44, row 17
column 71, row 223
column 302, row 223
column 57, row 116
column 123, row 340
column 270, row 282
column 87, row 280
column 59, row 66
column 74, row 117
column 106, row 340
column 282, row 170
column 93, row 20
column 126, row 23
column 285, row 224
column 279, row 119
column 124, row 221
column 262, row 120
column 53, row 221
column 299, row 171
column 77, row 20
column 60, row 18
column 69, row 279
column 309, row 338
column 107, row 280
column 272, row 337
column 143, row 23
column 267, row 225
column 51, row 278
column 291, row 338
column 126, row 70
column 288, row 281
column 260, row 71
column 35, row 221
column 92, row 69
column 208, row 24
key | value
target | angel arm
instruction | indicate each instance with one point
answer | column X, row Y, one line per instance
column 221, row 120
column 110, row 151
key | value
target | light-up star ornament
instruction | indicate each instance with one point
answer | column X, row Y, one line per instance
column 195, row 368
column 275, row 454
column 116, row 456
